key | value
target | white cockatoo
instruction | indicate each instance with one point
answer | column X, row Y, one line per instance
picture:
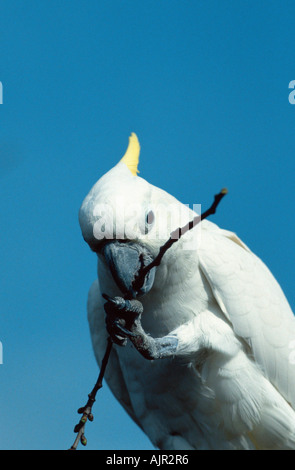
column 202, row 355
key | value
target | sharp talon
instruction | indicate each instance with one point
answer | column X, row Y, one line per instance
column 119, row 341
column 127, row 332
column 107, row 297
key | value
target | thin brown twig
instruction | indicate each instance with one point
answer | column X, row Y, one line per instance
column 86, row 410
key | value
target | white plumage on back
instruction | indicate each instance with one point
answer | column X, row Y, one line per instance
column 230, row 384
column 253, row 301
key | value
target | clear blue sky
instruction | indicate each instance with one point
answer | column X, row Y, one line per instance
column 204, row 84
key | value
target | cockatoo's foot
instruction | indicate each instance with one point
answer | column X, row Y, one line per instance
column 121, row 317
column 123, row 320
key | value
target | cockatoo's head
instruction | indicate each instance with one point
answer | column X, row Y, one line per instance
column 125, row 220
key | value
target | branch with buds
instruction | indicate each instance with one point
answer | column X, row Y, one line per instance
column 86, row 410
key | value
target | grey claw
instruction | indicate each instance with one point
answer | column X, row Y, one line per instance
column 120, row 327
column 119, row 340
column 108, row 298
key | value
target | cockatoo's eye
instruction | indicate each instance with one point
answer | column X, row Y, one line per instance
column 149, row 221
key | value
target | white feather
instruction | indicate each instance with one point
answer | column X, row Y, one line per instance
column 254, row 303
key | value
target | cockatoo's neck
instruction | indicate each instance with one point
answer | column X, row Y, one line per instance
column 179, row 292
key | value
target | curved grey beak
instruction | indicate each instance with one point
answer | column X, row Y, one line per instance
column 125, row 259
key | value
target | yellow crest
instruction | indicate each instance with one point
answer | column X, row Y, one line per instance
column 131, row 157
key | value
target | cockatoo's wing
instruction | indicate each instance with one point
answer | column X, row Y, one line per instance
column 253, row 302
column 99, row 335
